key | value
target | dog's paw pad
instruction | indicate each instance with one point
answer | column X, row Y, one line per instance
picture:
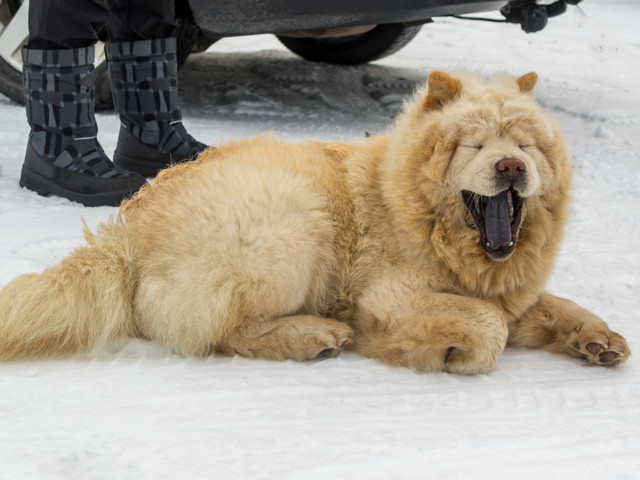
column 608, row 357
column 593, row 347
column 608, row 353
column 330, row 352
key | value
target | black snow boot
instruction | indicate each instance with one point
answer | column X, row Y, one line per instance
column 144, row 82
column 63, row 154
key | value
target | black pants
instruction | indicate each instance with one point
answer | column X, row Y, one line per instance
column 62, row 24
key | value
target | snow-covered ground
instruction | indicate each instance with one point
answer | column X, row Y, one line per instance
column 139, row 412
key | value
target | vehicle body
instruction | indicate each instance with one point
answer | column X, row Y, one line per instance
column 335, row 31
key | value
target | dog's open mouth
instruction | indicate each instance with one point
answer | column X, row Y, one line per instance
column 498, row 219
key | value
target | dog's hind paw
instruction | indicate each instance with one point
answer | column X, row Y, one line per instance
column 299, row 337
column 326, row 342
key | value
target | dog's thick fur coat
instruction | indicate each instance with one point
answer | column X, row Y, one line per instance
column 428, row 247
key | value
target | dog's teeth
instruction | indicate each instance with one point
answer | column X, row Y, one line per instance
column 476, row 202
column 511, row 244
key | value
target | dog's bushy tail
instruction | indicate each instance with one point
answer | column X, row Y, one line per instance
column 78, row 305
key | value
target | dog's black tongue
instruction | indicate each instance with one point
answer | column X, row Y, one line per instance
column 497, row 223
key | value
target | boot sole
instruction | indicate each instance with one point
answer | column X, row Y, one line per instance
column 45, row 187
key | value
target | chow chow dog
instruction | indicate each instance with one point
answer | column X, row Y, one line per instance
column 428, row 247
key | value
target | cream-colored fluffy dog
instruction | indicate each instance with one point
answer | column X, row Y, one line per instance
column 428, row 247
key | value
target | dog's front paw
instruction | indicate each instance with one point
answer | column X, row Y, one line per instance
column 601, row 346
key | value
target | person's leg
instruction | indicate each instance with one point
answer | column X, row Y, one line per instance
column 132, row 20
column 63, row 154
column 65, row 24
column 144, row 79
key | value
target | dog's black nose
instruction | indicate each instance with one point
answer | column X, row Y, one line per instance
column 511, row 167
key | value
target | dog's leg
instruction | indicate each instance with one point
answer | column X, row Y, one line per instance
column 429, row 332
column 298, row 337
column 561, row 326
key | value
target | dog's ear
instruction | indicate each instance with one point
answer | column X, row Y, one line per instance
column 527, row 82
column 442, row 88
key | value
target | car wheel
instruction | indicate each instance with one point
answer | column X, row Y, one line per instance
column 381, row 41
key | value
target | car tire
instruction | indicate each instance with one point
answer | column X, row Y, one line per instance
column 377, row 43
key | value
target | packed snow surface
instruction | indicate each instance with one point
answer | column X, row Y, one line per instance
column 137, row 411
